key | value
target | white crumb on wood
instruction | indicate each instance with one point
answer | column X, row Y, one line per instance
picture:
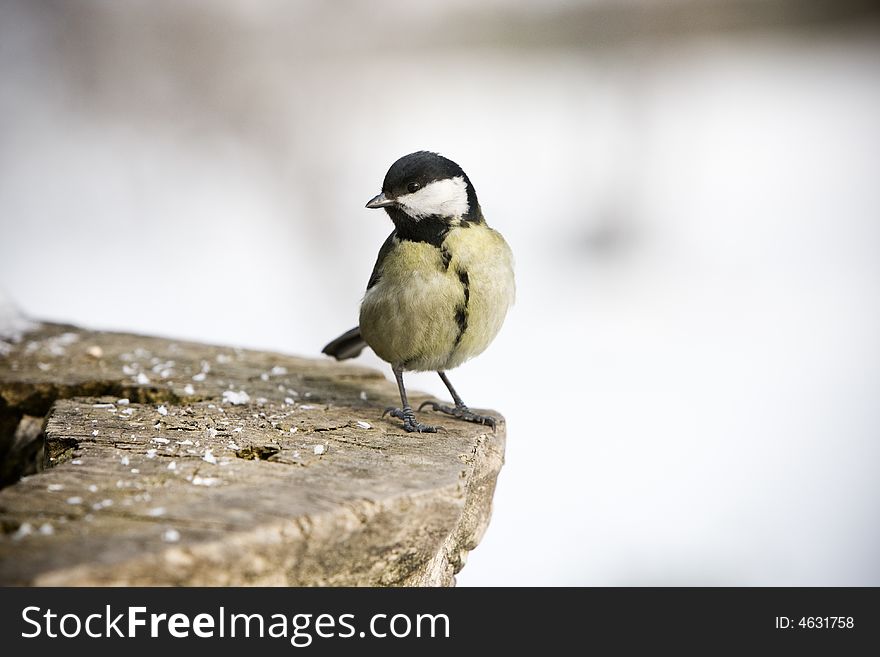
column 364, row 425
column 172, row 465
column 209, row 457
column 24, row 529
column 123, row 402
column 199, row 377
column 151, row 453
column 156, row 511
column 74, row 500
column 236, row 398
column 319, row 449
column 162, row 410
column 143, row 379
column 171, row 536
column 124, row 460
column 205, row 481
column 188, row 389
column 160, row 440
column 55, row 487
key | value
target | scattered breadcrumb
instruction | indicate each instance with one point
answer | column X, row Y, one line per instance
column 188, row 389
column 364, row 425
column 143, row 379
column 162, row 410
column 236, row 398
column 205, row 481
column 74, row 500
column 320, row 449
column 209, row 457
column 171, row 536
column 24, row 529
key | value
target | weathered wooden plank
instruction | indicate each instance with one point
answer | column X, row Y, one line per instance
column 180, row 463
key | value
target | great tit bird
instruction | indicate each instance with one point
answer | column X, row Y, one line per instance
column 442, row 283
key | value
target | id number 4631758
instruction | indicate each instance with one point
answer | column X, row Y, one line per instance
column 815, row 622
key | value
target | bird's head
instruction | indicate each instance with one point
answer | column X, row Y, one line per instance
column 425, row 187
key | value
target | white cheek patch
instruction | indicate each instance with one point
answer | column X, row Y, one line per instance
column 444, row 198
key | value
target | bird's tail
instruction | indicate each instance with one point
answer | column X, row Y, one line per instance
column 348, row 345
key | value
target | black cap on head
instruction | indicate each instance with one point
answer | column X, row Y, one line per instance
column 421, row 167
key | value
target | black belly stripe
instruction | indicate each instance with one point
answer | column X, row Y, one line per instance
column 445, row 258
column 461, row 312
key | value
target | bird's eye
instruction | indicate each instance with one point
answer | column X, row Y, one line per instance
column 413, row 187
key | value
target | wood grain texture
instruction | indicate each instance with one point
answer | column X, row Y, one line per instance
column 301, row 482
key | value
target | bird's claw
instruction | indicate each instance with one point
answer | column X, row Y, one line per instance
column 410, row 424
column 462, row 413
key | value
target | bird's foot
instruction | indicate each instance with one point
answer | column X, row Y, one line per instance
column 410, row 423
column 462, row 412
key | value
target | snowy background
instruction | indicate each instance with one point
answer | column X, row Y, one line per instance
column 691, row 373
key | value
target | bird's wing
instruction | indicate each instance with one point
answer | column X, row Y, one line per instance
column 383, row 252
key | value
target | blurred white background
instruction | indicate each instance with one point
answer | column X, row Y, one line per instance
column 691, row 375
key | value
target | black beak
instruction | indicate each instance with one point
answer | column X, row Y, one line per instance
column 380, row 201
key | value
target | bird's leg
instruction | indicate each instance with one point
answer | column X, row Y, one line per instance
column 406, row 413
column 460, row 411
